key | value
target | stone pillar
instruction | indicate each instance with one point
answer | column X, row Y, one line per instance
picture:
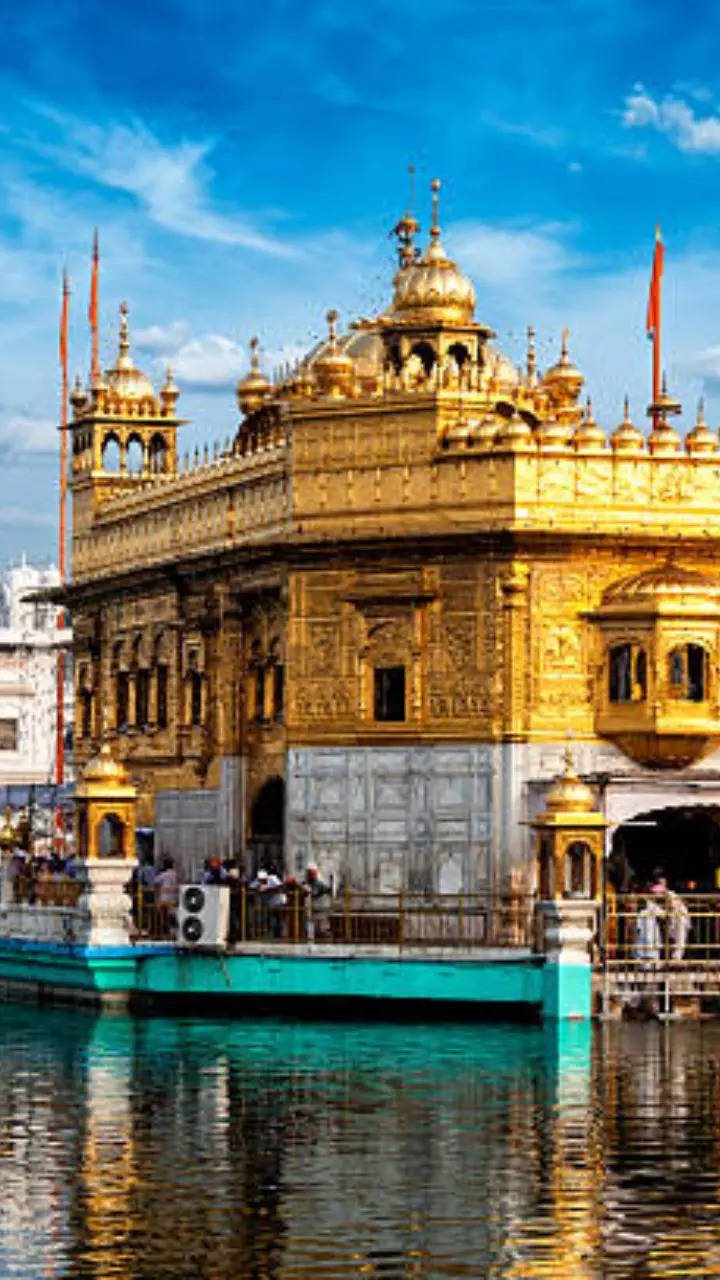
column 568, row 929
column 107, row 905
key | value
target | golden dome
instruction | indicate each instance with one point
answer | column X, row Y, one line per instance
column 254, row 388
column 501, row 371
column 701, row 440
column 552, row 434
column 433, row 288
column 334, row 369
column 627, row 438
column 104, row 768
column 515, row 433
column 124, row 379
column 569, row 794
column 563, row 380
column 663, row 438
column 667, row 579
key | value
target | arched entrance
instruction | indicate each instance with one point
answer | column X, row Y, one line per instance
column 683, row 842
column 267, row 827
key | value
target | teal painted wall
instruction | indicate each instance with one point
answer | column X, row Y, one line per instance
column 561, row 991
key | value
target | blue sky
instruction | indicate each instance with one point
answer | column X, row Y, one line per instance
column 244, row 164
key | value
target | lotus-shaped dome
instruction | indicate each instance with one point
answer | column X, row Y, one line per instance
column 124, row 380
column 433, row 288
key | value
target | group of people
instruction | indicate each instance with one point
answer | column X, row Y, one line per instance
column 263, row 905
column 662, row 923
column 52, row 880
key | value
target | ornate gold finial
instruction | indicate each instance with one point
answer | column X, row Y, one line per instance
column 626, row 409
column 700, row 419
column 531, row 361
column 564, row 357
column 124, row 338
column 254, row 345
column 332, row 317
column 435, row 229
column 407, row 227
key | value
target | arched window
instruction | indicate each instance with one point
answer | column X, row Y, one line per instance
column 110, row 837
column 134, row 456
column 196, row 698
column 459, row 353
column 688, row 673
column 621, row 673
column 158, row 454
column 425, row 353
column 111, row 454
column 627, row 673
column 578, row 870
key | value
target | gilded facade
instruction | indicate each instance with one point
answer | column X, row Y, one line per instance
column 360, row 631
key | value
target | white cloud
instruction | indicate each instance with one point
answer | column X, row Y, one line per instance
column 508, row 256
column 674, row 118
column 210, row 361
column 170, row 181
column 162, row 339
column 24, row 517
column 21, row 433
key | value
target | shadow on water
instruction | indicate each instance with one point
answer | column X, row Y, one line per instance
column 289, row 1150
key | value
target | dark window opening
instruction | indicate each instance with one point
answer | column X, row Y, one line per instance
column 162, row 699
column 260, row 694
column 86, row 714
column 696, row 673
column 620, row 673
column 390, row 693
column 121, row 700
column 142, row 697
column 641, row 674
column 688, row 672
column 196, row 699
column 278, row 691
column 8, row 735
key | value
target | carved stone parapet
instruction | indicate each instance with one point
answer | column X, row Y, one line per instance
column 568, row 929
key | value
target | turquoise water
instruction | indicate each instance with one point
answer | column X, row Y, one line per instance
column 158, row 1148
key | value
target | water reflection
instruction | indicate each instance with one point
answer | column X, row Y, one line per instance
column 288, row 1151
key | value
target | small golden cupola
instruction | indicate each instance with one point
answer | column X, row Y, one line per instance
column 254, row 389
column 563, row 383
column 127, row 386
column 432, row 288
column 588, row 436
column 333, row 369
column 627, row 438
column 663, row 438
column 701, row 441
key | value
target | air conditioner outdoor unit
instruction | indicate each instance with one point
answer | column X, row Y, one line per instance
column 204, row 915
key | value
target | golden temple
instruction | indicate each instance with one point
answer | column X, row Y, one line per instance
column 360, row 633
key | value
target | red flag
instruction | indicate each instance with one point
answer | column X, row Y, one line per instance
column 93, row 308
column 64, row 324
column 652, row 323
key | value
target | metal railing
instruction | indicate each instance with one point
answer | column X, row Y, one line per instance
column 400, row 919
column 649, row 931
column 37, row 890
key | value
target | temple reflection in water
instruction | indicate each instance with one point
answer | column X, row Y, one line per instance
column 287, row 1150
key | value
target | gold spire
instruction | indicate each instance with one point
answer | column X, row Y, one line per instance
column 627, row 438
column 531, row 363
column 435, row 229
column 254, row 388
column 334, row 369
column 588, row 435
column 701, row 440
column 563, row 380
column 407, row 227
column 124, row 344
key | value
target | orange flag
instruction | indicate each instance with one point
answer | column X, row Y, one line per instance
column 652, row 323
column 93, row 308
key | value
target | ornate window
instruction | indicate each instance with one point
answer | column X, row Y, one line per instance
column 628, row 673
column 688, row 671
column 389, row 693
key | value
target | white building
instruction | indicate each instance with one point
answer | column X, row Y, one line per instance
column 30, row 641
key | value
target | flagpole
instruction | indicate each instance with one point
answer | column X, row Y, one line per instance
column 93, row 313
column 62, row 531
column 656, row 334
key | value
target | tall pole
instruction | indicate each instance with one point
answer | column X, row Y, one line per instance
column 93, row 311
column 62, row 532
column 658, row 319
